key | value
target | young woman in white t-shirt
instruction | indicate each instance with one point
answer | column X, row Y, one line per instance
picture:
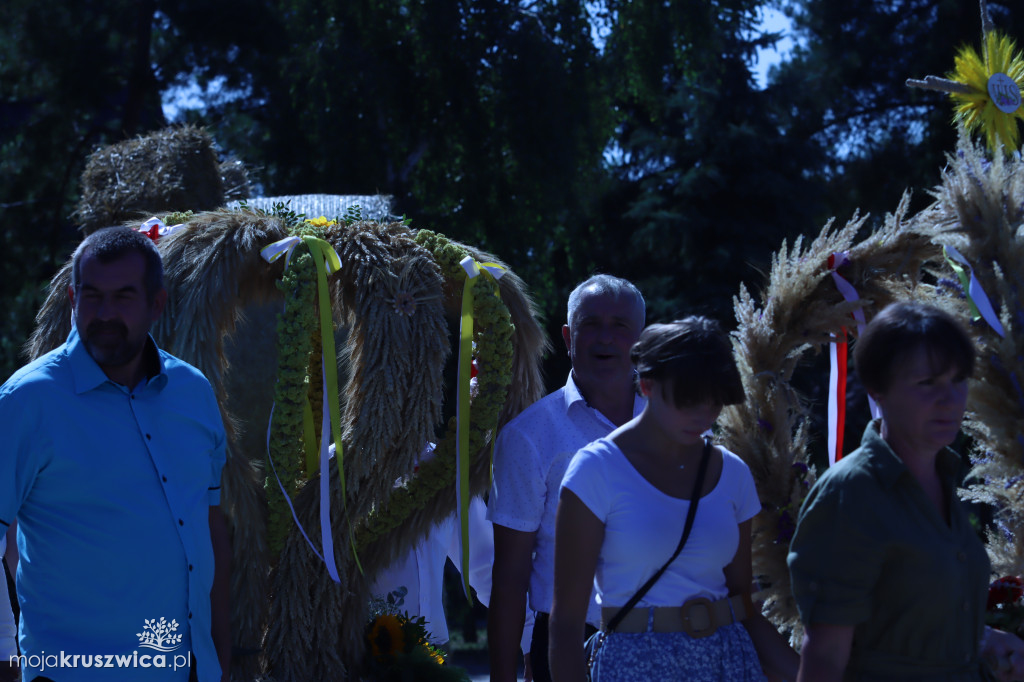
column 622, row 508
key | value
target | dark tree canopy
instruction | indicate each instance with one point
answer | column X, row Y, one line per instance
column 567, row 137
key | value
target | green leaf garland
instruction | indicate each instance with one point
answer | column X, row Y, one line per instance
column 493, row 331
column 298, row 359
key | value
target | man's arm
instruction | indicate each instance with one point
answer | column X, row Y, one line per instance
column 220, row 595
column 825, row 652
column 513, row 561
column 9, row 670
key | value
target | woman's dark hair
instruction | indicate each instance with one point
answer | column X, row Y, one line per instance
column 902, row 328
column 693, row 356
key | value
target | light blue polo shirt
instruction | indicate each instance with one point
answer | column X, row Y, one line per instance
column 111, row 489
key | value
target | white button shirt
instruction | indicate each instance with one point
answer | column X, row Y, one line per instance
column 530, row 458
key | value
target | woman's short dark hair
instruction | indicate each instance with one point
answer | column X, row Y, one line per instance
column 692, row 355
column 905, row 327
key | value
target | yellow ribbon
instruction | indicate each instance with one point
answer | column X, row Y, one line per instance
column 473, row 270
column 327, row 262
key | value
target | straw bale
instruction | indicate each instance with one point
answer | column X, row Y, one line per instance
column 173, row 169
column 235, row 179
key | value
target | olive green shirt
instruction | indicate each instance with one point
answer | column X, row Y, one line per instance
column 871, row 550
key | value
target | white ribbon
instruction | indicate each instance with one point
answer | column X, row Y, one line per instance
column 473, row 268
column 285, row 246
column 325, row 530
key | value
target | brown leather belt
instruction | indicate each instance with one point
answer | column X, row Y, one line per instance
column 698, row 617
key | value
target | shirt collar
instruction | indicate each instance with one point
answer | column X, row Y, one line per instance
column 572, row 393
column 88, row 375
column 888, row 465
column 573, row 396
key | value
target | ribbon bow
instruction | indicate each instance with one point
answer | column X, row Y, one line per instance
column 285, row 247
column 154, row 228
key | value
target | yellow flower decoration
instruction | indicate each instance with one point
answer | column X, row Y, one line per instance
column 386, row 638
column 975, row 106
column 986, row 87
column 322, row 221
column 435, row 655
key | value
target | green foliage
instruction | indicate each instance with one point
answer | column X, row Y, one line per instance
column 279, row 209
column 703, row 184
column 73, row 76
column 353, row 214
column 649, row 153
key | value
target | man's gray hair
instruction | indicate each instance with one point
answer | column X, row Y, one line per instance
column 600, row 285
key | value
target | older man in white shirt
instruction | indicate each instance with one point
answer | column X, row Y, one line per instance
column 605, row 317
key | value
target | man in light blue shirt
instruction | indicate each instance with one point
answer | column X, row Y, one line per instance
column 111, row 465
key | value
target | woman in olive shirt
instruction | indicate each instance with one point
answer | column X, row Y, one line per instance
column 889, row 576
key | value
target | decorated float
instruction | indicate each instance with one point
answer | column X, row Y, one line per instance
column 258, row 296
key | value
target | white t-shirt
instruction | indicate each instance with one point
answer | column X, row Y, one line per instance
column 8, row 629
column 530, row 457
column 643, row 526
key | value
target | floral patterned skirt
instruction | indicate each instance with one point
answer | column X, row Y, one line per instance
column 726, row 656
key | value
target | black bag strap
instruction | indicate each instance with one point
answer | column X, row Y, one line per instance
column 690, row 514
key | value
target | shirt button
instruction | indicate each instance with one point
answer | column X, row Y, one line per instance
column 190, row 615
column 190, row 567
column 149, row 437
column 181, row 522
column 164, row 479
column 133, row 396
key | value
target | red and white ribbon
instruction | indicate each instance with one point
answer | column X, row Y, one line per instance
column 154, row 228
column 838, row 355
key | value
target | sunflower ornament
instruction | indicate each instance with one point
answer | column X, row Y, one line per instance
column 986, row 87
column 399, row 646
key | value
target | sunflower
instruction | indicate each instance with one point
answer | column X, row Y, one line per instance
column 991, row 100
column 386, row 638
